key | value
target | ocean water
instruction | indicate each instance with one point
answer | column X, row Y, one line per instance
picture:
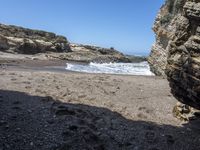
column 112, row 68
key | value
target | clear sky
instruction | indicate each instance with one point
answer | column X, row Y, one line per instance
column 122, row 24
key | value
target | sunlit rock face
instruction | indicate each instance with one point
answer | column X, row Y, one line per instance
column 19, row 40
column 176, row 52
column 15, row 39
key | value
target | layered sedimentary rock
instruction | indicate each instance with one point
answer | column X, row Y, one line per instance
column 89, row 53
column 47, row 45
column 177, row 49
column 15, row 39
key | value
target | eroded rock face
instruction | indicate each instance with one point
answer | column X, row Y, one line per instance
column 89, row 53
column 26, row 41
column 178, row 37
column 20, row 40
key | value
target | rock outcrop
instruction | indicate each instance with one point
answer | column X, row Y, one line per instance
column 177, row 49
column 15, row 39
column 88, row 53
column 47, row 45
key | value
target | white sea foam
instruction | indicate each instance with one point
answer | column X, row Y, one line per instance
column 113, row 68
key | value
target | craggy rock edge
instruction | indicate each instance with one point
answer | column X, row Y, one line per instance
column 177, row 49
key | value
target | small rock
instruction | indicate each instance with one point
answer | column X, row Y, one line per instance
column 34, row 58
column 7, row 126
column 18, row 129
column 28, row 87
column 150, row 136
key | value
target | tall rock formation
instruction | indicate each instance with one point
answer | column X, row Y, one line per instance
column 177, row 49
column 26, row 41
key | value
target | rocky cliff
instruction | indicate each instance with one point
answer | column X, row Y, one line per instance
column 177, row 49
column 47, row 45
column 15, row 39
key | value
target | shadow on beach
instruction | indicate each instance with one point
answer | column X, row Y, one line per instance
column 42, row 123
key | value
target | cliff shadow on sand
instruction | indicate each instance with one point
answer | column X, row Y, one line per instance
column 33, row 122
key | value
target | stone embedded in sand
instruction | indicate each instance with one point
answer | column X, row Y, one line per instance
column 185, row 112
column 177, row 49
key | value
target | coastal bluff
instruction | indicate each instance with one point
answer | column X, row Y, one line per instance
column 16, row 39
column 176, row 52
column 36, row 44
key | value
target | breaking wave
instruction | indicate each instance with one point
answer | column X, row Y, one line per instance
column 112, row 68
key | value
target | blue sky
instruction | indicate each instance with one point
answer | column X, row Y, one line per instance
column 122, row 24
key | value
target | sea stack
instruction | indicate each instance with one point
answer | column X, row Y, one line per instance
column 177, row 49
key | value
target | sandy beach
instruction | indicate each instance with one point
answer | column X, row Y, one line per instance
column 100, row 75
column 67, row 110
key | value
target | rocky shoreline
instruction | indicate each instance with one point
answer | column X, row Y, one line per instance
column 17, row 42
column 52, row 110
